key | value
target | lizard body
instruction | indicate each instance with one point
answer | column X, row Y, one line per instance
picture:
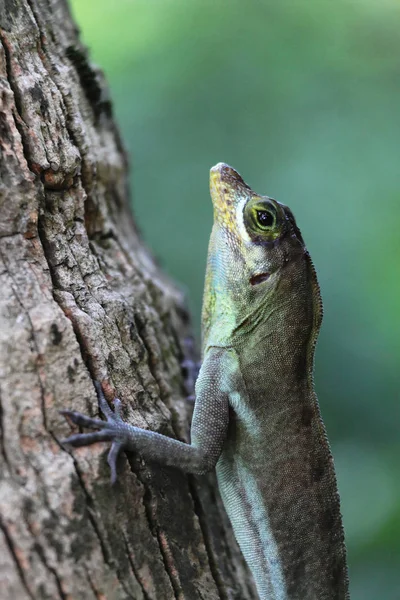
column 256, row 417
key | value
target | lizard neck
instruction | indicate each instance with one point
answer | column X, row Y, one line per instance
column 280, row 327
column 279, row 351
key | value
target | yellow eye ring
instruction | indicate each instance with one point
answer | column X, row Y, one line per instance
column 263, row 219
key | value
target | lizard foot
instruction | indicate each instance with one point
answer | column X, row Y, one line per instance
column 112, row 430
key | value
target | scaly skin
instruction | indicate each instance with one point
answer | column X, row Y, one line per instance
column 256, row 415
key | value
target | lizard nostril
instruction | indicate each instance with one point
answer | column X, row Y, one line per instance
column 259, row 278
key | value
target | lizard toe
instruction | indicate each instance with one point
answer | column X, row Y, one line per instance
column 82, row 420
column 86, row 439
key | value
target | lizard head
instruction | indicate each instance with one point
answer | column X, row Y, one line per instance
column 253, row 241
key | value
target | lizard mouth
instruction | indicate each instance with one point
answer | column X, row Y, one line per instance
column 256, row 279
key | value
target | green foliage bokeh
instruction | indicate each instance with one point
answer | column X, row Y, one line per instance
column 302, row 97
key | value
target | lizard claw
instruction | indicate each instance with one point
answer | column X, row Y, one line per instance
column 110, row 430
column 111, row 415
column 112, row 460
column 117, row 409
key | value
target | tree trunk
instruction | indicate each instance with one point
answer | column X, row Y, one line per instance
column 82, row 300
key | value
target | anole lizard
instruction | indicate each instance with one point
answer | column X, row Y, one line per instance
column 256, row 417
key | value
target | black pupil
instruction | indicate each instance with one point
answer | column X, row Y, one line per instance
column 265, row 218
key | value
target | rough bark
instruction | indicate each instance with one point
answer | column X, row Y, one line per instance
column 81, row 299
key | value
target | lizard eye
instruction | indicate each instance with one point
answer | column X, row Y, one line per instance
column 265, row 219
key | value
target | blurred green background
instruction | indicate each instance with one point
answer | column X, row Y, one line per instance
column 302, row 97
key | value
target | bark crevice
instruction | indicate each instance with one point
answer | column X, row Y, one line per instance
column 14, row 553
column 91, row 512
column 17, row 113
column 52, row 571
column 154, row 528
column 2, row 440
column 135, row 572
column 208, row 542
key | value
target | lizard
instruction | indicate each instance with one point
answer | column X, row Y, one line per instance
column 256, row 418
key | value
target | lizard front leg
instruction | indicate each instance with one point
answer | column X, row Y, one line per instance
column 208, row 432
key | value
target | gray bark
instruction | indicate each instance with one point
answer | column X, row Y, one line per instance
column 81, row 299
